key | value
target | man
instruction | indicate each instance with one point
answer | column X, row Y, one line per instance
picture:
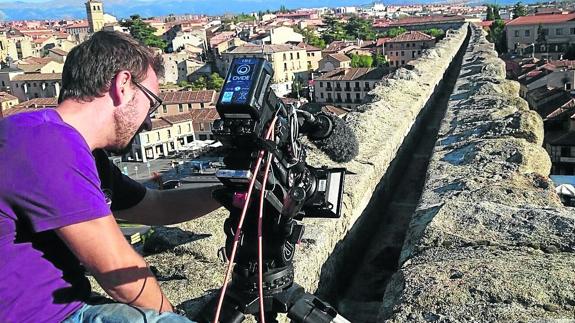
column 54, row 217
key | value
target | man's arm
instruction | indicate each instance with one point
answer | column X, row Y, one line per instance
column 171, row 206
column 100, row 246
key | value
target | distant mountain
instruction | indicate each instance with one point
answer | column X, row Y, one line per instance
column 57, row 9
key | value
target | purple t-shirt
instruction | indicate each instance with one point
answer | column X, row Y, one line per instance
column 48, row 179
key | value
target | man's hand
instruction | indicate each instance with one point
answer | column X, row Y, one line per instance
column 100, row 246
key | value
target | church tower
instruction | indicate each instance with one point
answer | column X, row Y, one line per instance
column 95, row 13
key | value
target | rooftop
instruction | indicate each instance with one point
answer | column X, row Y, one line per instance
column 7, row 97
column 188, row 97
column 541, row 19
column 267, row 49
column 357, row 73
column 339, row 57
column 411, row 36
column 38, row 77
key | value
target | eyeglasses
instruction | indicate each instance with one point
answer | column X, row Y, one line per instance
column 155, row 101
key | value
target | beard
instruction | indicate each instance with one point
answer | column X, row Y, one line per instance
column 126, row 128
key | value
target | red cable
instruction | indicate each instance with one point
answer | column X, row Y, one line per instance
column 240, row 224
column 260, row 236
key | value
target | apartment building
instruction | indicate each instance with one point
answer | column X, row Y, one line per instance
column 556, row 34
column 7, row 101
column 346, row 87
column 289, row 63
column 313, row 55
column 334, row 61
column 38, row 85
column 172, row 133
column 406, row 47
column 175, row 103
column 277, row 36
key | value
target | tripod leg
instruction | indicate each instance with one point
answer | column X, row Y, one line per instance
column 310, row 309
column 229, row 313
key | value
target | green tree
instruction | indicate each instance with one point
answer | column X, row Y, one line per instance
column 380, row 60
column 199, row 84
column 184, row 84
column 435, row 32
column 283, row 9
column 215, row 82
column 570, row 52
column 143, row 32
column 310, row 36
column 242, row 17
column 394, row 32
column 489, row 16
column 541, row 37
column 334, row 29
column 361, row 28
column 361, row 60
column 296, row 88
column 519, row 10
column 497, row 36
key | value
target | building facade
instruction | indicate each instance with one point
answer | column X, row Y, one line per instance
column 346, row 87
column 29, row 86
column 175, row 103
column 406, row 47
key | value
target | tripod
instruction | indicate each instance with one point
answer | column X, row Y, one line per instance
column 281, row 293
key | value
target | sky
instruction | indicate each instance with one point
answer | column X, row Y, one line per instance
column 59, row 9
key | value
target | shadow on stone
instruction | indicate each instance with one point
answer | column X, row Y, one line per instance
column 167, row 238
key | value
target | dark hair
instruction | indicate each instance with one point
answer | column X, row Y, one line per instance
column 91, row 66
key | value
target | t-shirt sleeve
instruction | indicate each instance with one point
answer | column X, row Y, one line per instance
column 63, row 186
column 125, row 191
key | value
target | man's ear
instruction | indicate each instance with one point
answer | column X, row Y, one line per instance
column 121, row 90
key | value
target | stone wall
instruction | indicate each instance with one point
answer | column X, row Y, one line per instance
column 490, row 240
column 187, row 261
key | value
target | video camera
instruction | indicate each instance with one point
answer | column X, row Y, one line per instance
column 246, row 106
column 253, row 121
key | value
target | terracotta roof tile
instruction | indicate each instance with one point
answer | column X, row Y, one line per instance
column 188, row 97
column 340, row 57
column 411, row 36
column 39, row 103
column 349, row 74
column 7, row 97
column 38, row 77
column 541, row 19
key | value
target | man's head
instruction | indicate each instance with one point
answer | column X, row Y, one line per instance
column 114, row 65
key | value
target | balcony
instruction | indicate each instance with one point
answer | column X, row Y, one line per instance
column 348, row 101
column 338, row 100
column 329, row 88
column 367, row 88
column 338, row 89
column 329, row 100
column 357, row 89
column 357, row 100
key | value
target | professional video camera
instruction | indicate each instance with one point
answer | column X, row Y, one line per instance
column 256, row 128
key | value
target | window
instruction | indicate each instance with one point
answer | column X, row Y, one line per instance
column 320, row 84
column 390, row 46
column 516, row 33
column 189, row 127
column 164, row 109
column 291, row 56
column 567, row 86
column 201, row 127
column 285, row 66
column 559, row 31
column 297, row 55
column 180, row 108
column 179, row 130
column 321, row 95
column 402, row 53
column 572, row 31
column 285, row 56
column 158, row 135
column 147, row 138
column 545, row 31
column 357, row 96
column 169, row 134
column 527, row 33
column 202, row 105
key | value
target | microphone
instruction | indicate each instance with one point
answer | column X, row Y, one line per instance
column 331, row 135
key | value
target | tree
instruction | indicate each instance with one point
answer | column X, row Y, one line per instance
column 183, row 84
column 394, row 32
column 216, row 82
column 497, row 36
column 360, row 28
column 570, row 52
column 380, row 60
column 541, row 36
column 435, row 32
column 143, row 32
column 489, row 16
column 334, row 30
column 310, row 36
column 283, row 9
column 296, row 88
column 361, row 60
column 519, row 10
column 199, row 84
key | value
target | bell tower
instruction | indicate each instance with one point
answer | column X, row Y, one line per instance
column 95, row 14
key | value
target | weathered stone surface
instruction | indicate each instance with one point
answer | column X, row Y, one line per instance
column 482, row 284
column 490, row 240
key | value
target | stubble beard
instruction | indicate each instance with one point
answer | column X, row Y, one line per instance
column 126, row 128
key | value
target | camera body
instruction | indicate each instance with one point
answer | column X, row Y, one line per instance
column 247, row 106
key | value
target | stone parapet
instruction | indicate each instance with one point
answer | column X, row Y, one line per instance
column 490, row 240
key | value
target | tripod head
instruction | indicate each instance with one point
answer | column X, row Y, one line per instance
column 293, row 190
